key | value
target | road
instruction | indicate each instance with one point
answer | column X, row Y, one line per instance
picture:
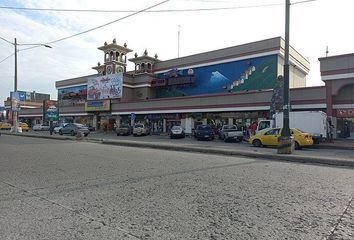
column 52, row 189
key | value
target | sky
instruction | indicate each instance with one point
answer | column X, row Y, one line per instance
column 314, row 25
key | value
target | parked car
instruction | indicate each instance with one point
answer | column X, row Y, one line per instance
column 177, row 132
column 40, row 127
column 74, row 128
column 5, row 126
column 58, row 127
column 23, row 126
column 141, row 129
column 204, row 131
column 231, row 132
column 269, row 137
column 124, row 129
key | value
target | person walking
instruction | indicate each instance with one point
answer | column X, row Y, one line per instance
column 51, row 127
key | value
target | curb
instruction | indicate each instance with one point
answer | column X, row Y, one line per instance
column 266, row 156
column 39, row 136
column 258, row 155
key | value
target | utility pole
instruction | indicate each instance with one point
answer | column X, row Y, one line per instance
column 286, row 142
column 14, row 108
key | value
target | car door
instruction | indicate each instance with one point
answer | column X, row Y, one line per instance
column 271, row 137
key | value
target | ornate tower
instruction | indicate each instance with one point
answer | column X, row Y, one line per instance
column 115, row 58
column 145, row 63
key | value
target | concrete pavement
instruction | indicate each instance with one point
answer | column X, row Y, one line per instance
column 339, row 153
column 64, row 190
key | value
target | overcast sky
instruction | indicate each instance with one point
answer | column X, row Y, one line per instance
column 314, row 25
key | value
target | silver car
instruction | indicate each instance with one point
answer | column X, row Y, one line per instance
column 74, row 128
column 40, row 127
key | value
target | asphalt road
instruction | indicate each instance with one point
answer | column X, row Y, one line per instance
column 53, row 189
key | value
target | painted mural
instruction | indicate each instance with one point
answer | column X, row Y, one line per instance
column 250, row 74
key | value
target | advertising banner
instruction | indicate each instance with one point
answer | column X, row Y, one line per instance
column 345, row 113
column 15, row 101
column 51, row 112
column 105, row 87
column 100, row 105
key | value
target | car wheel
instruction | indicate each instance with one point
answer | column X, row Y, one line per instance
column 60, row 133
column 257, row 143
column 86, row 134
column 72, row 133
column 297, row 146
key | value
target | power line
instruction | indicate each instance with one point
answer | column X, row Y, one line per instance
column 134, row 11
column 305, row 1
column 7, row 58
column 6, row 40
column 100, row 26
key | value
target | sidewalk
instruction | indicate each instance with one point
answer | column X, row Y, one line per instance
column 346, row 144
column 339, row 153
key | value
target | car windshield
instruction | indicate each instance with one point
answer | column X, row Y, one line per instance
column 139, row 126
column 176, row 128
column 230, row 127
column 204, row 127
column 79, row 125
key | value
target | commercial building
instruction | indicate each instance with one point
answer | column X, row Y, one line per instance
column 30, row 103
column 223, row 86
column 338, row 74
column 233, row 85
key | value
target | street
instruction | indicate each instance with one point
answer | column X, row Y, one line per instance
column 52, row 189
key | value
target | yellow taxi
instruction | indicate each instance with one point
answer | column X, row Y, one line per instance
column 24, row 126
column 5, row 126
column 269, row 137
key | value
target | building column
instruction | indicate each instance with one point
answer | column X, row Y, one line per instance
column 329, row 98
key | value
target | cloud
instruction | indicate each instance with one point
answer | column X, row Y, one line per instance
column 311, row 31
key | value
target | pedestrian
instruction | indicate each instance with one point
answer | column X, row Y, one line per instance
column 331, row 132
column 253, row 128
column 51, row 128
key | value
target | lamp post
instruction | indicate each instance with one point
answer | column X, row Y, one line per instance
column 286, row 142
column 15, row 112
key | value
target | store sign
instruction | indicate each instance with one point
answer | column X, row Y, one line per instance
column 105, row 87
column 101, row 105
column 345, row 113
column 182, row 80
column 158, row 83
column 51, row 111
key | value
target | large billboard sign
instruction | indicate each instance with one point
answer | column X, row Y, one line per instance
column 51, row 112
column 15, row 101
column 105, row 87
column 234, row 76
column 72, row 95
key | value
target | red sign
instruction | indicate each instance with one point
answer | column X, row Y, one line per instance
column 158, row 83
column 345, row 113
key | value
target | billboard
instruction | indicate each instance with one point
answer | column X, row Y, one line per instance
column 248, row 74
column 100, row 105
column 105, row 87
column 72, row 95
column 15, row 101
column 51, row 112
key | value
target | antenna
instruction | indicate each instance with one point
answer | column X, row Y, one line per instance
column 179, row 30
column 326, row 51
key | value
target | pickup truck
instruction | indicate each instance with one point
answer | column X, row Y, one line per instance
column 231, row 132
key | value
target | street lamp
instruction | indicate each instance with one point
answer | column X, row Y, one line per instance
column 15, row 115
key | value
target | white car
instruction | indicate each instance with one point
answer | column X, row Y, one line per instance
column 40, row 127
column 57, row 128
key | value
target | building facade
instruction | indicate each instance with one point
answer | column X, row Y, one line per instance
column 231, row 85
column 338, row 74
